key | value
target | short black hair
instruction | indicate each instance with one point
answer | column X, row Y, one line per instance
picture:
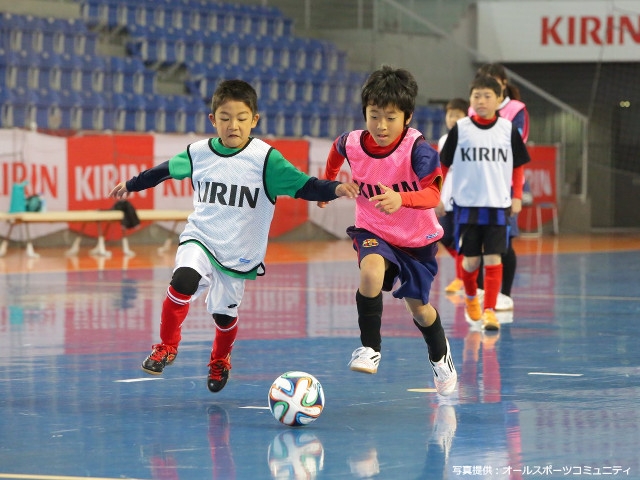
column 388, row 86
column 458, row 104
column 238, row 90
column 486, row 81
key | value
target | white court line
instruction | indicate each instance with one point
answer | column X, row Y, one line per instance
column 255, row 408
column 141, row 379
column 551, row 374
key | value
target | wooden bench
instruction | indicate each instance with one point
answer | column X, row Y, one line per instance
column 99, row 217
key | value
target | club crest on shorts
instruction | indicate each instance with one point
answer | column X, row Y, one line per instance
column 370, row 242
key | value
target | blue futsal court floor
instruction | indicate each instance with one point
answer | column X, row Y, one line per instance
column 556, row 395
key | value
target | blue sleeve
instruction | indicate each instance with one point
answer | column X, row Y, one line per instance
column 424, row 159
column 149, row 178
column 519, row 120
column 341, row 144
column 316, row 190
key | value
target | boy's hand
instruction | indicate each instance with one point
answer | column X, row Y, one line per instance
column 119, row 191
column 389, row 201
column 440, row 211
column 516, row 206
column 350, row 190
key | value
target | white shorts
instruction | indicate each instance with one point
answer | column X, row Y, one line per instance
column 224, row 293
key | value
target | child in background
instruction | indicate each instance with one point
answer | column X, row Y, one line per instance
column 488, row 153
column 515, row 111
column 456, row 109
column 236, row 180
column 396, row 229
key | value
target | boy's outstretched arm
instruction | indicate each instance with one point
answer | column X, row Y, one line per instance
column 335, row 159
column 146, row 179
column 326, row 190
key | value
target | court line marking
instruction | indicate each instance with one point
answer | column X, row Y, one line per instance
column 422, row 390
column 553, row 374
column 255, row 408
column 132, row 380
column 16, row 476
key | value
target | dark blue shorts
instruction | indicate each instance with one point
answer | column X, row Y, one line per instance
column 415, row 268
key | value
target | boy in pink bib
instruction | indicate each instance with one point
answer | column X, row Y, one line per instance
column 396, row 229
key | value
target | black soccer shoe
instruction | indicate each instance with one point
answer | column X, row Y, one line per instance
column 218, row 373
column 161, row 356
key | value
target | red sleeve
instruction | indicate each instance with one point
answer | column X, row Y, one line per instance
column 517, row 181
column 428, row 197
column 334, row 162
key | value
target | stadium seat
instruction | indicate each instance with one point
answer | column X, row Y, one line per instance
column 194, row 19
column 214, row 20
column 130, row 113
column 317, row 121
column 284, row 51
column 7, row 104
column 90, row 13
column 94, row 112
column 13, row 34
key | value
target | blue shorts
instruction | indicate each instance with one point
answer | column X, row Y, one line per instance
column 415, row 268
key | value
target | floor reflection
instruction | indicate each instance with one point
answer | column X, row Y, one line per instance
column 554, row 394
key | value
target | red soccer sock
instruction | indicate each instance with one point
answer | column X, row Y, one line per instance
column 225, row 338
column 470, row 280
column 492, row 281
column 174, row 311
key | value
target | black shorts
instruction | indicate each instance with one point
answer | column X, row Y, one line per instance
column 476, row 240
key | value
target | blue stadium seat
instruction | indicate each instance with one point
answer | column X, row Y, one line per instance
column 15, row 65
column 194, row 20
column 430, row 121
column 11, row 31
column 317, row 122
column 128, row 112
column 214, row 19
column 111, row 15
column 196, row 45
column 284, row 51
column 94, row 112
column 7, row 106
column 126, row 74
column 68, row 35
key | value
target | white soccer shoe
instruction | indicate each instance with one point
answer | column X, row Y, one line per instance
column 365, row 359
column 444, row 374
column 503, row 303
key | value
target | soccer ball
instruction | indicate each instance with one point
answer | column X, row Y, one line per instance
column 296, row 399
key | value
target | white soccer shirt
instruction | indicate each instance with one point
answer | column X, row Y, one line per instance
column 483, row 162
